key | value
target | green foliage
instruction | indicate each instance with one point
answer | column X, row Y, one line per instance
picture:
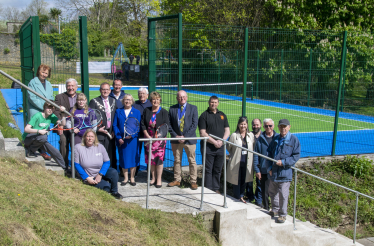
column 6, row 50
column 64, row 43
column 357, row 166
column 16, row 41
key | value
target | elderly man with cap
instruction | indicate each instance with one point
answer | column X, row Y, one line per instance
column 285, row 148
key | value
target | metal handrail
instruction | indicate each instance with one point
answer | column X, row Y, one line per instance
column 296, row 170
column 55, row 105
column 150, row 140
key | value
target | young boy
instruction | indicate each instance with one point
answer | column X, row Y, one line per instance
column 36, row 134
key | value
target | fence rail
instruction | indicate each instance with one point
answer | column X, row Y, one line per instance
column 296, row 170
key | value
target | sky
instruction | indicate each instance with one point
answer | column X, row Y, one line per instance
column 21, row 4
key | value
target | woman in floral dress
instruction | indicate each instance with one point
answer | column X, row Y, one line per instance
column 152, row 118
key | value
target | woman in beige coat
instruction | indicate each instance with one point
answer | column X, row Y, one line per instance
column 240, row 168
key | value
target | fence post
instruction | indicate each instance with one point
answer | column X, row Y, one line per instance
column 84, row 56
column 236, row 73
column 151, row 55
column 344, row 52
column 36, row 42
column 245, row 63
column 310, row 75
column 180, row 49
column 280, row 85
column 258, row 67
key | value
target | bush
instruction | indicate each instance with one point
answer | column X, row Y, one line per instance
column 16, row 41
column 65, row 43
column 6, row 51
column 357, row 166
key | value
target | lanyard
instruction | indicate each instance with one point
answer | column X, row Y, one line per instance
column 154, row 115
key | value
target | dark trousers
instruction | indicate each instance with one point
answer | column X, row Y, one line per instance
column 64, row 146
column 110, row 146
column 34, row 141
column 140, row 145
column 240, row 187
column 109, row 182
column 214, row 159
column 265, row 190
column 257, row 195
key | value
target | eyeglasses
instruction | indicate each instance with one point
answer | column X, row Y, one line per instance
column 266, row 126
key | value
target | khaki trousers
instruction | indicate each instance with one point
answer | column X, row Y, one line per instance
column 191, row 154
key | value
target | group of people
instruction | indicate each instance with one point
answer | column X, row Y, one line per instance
column 95, row 149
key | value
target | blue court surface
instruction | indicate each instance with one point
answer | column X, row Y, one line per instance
column 354, row 139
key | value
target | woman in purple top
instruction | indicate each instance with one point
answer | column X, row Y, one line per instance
column 93, row 164
column 152, row 118
column 80, row 111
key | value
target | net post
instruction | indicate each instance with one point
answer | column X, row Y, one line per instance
column 245, row 63
column 180, row 57
column 84, row 56
column 341, row 75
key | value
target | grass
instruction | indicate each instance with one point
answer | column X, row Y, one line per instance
column 38, row 207
column 329, row 206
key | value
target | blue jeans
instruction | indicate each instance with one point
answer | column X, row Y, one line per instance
column 240, row 188
column 109, row 182
column 257, row 196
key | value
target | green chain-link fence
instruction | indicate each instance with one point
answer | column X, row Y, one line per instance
column 321, row 80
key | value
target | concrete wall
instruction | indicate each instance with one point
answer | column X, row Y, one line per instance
column 13, row 57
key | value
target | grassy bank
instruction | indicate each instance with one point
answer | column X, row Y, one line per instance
column 38, row 207
column 329, row 206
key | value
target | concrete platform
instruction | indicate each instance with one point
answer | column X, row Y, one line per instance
column 14, row 149
column 367, row 241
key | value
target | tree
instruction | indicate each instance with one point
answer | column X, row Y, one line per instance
column 11, row 14
column 54, row 13
column 36, row 7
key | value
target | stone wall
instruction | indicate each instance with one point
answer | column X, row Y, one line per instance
column 13, row 57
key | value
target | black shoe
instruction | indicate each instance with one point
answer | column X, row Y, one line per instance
column 117, row 195
column 124, row 183
column 67, row 172
column 132, row 184
column 30, row 154
column 158, row 186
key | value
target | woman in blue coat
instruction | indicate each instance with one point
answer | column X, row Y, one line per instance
column 41, row 85
column 127, row 148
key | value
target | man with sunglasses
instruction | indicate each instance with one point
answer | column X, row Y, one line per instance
column 259, row 163
column 285, row 148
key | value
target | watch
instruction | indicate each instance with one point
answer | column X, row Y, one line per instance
column 100, row 174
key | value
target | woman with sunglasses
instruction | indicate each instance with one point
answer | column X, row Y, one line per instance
column 240, row 168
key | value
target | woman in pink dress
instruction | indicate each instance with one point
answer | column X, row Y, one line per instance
column 152, row 118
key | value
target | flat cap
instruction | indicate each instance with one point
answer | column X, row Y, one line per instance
column 284, row 122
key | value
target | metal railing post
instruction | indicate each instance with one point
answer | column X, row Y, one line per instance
column 225, row 177
column 149, row 171
column 203, row 177
column 354, row 233
column 72, row 150
column 294, row 202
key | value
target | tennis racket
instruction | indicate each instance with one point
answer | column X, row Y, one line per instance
column 93, row 119
column 161, row 132
column 131, row 127
column 77, row 122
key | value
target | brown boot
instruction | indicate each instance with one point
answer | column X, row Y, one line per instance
column 194, row 186
column 174, row 183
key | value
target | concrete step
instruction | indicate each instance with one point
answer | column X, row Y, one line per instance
column 14, row 149
column 38, row 160
column 53, row 166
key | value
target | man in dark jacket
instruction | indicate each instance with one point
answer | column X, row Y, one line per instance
column 183, row 119
column 259, row 163
column 285, row 148
column 117, row 93
column 66, row 99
